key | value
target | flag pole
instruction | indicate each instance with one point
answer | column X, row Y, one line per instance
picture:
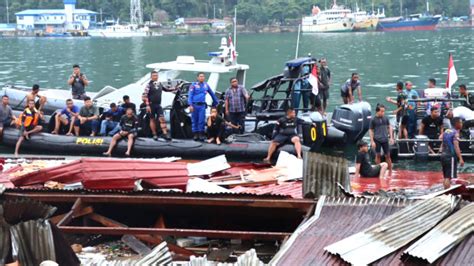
column 298, row 41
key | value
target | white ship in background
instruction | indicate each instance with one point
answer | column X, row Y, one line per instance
column 134, row 29
column 121, row 31
column 336, row 19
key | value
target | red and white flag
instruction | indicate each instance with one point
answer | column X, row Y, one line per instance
column 313, row 80
column 452, row 74
column 233, row 53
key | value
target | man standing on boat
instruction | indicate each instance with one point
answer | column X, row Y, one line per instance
column 412, row 109
column 381, row 136
column 78, row 82
column 153, row 91
column 197, row 105
column 466, row 95
column 451, row 153
column 349, row 87
column 324, row 82
column 236, row 98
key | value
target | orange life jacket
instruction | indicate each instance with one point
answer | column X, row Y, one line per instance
column 29, row 118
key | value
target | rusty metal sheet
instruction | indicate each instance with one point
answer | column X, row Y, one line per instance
column 393, row 232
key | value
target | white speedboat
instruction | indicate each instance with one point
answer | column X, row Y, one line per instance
column 336, row 19
column 120, row 31
column 223, row 61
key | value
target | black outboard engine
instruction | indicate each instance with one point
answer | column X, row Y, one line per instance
column 314, row 130
column 421, row 148
column 353, row 119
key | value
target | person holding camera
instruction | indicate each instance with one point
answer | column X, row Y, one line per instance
column 78, row 82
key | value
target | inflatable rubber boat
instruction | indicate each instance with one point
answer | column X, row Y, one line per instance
column 143, row 147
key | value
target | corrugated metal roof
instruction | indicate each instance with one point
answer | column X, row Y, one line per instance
column 335, row 219
column 292, row 189
column 445, row 236
column 393, row 232
column 170, row 193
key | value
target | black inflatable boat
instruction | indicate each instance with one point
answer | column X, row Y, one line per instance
column 144, row 147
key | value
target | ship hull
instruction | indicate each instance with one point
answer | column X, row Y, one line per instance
column 406, row 25
column 366, row 25
column 339, row 26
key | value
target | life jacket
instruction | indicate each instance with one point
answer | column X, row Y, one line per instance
column 28, row 118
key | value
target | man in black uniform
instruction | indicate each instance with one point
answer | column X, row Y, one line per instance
column 78, row 82
column 432, row 126
column 128, row 104
column 363, row 166
column 128, row 130
column 469, row 97
column 154, row 90
column 286, row 130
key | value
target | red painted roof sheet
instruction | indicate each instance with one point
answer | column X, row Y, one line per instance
column 292, row 189
column 110, row 174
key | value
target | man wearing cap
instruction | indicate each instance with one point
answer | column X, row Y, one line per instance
column 78, row 82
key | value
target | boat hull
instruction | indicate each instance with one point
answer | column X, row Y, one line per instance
column 143, row 147
column 366, row 25
column 110, row 34
column 409, row 25
column 339, row 26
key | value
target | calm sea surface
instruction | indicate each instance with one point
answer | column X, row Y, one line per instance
column 382, row 59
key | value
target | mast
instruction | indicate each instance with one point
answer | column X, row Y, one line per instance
column 235, row 29
column 298, row 42
column 401, row 8
column 8, row 13
column 136, row 13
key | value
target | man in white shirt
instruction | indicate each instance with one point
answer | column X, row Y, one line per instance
column 466, row 114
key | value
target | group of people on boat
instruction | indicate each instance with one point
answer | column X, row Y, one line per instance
column 124, row 120
column 432, row 125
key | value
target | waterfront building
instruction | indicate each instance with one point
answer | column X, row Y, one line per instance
column 65, row 19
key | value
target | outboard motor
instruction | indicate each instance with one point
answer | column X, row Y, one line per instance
column 314, row 130
column 421, row 148
column 353, row 119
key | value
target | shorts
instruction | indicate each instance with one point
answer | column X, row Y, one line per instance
column 450, row 166
column 404, row 121
column 374, row 172
column 6, row 123
column 28, row 128
column 379, row 146
column 315, row 100
column 324, row 94
column 79, row 96
column 156, row 111
column 283, row 139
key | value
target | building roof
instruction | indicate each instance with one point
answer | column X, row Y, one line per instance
column 337, row 219
column 36, row 12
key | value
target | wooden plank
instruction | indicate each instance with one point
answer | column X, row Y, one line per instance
column 69, row 216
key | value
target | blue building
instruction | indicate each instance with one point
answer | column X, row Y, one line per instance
column 65, row 19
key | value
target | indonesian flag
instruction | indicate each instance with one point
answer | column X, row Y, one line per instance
column 233, row 53
column 452, row 74
column 313, row 80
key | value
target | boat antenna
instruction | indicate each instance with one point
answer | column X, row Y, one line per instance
column 235, row 29
column 298, row 41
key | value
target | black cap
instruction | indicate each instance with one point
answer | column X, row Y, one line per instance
column 76, row 65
